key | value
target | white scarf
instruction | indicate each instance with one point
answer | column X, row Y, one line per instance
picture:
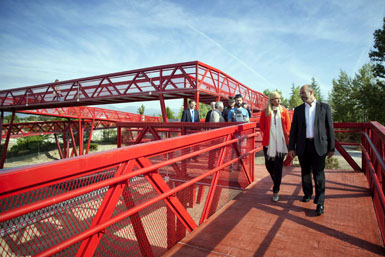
column 277, row 143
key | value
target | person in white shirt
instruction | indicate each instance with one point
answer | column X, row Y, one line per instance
column 312, row 139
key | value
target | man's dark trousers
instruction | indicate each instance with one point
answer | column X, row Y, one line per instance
column 310, row 162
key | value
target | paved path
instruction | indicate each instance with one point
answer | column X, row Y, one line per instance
column 253, row 225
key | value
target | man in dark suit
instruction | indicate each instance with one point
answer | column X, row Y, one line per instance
column 190, row 114
column 208, row 114
column 312, row 139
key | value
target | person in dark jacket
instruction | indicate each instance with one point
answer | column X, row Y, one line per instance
column 228, row 108
column 208, row 115
column 312, row 139
column 191, row 114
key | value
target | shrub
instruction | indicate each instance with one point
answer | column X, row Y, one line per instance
column 32, row 144
column 93, row 147
column 331, row 163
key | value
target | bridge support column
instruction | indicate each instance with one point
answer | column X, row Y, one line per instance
column 163, row 108
column 80, row 131
column 1, row 126
column 89, row 138
column 5, row 147
column 58, row 146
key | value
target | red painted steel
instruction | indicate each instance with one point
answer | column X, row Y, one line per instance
column 5, row 146
column 373, row 164
column 194, row 80
column 86, row 112
column 50, row 127
column 73, row 204
column 119, row 198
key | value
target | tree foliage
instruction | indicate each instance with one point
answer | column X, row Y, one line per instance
column 377, row 55
column 358, row 99
column 141, row 109
column 203, row 110
column 340, row 99
column 295, row 98
column 31, row 144
column 170, row 113
column 317, row 90
column 284, row 101
column 7, row 118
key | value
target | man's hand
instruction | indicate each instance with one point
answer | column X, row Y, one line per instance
column 292, row 154
column 330, row 154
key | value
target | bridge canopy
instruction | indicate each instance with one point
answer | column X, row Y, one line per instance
column 194, row 80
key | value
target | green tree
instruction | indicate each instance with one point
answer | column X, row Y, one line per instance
column 7, row 119
column 358, row 99
column 170, row 113
column 203, row 109
column 32, row 118
column 266, row 92
column 317, row 90
column 377, row 55
column 295, row 98
column 368, row 96
column 284, row 101
column 340, row 99
column 181, row 109
column 141, row 109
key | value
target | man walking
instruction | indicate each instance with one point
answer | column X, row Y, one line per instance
column 312, row 138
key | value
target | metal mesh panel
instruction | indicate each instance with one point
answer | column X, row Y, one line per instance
column 32, row 196
column 149, row 224
column 151, row 231
column 39, row 230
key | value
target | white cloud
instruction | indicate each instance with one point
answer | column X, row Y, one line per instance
column 263, row 44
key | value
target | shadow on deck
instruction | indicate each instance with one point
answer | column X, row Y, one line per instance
column 253, row 225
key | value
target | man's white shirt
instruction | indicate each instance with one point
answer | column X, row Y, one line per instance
column 310, row 118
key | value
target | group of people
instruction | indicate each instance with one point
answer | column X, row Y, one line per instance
column 236, row 111
column 310, row 136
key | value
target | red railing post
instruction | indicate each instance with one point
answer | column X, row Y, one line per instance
column 89, row 137
column 163, row 108
column 5, row 146
column 73, row 142
column 213, row 186
column 119, row 137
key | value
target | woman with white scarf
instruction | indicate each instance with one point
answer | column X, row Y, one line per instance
column 275, row 125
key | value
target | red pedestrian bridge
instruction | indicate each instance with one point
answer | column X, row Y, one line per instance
column 186, row 189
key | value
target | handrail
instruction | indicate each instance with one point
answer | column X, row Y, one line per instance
column 17, row 183
column 377, row 154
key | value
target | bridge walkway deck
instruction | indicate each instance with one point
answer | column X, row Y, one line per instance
column 253, row 225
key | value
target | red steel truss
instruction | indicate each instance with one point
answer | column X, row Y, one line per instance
column 111, row 203
column 194, row 80
column 51, row 127
column 86, row 112
column 98, row 118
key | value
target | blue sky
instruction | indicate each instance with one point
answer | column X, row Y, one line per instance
column 263, row 44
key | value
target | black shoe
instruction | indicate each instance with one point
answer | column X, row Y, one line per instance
column 320, row 209
column 306, row 199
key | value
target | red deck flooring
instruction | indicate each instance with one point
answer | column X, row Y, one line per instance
column 253, row 225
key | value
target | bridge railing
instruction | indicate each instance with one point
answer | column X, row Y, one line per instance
column 131, row 201
column 373, row 155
